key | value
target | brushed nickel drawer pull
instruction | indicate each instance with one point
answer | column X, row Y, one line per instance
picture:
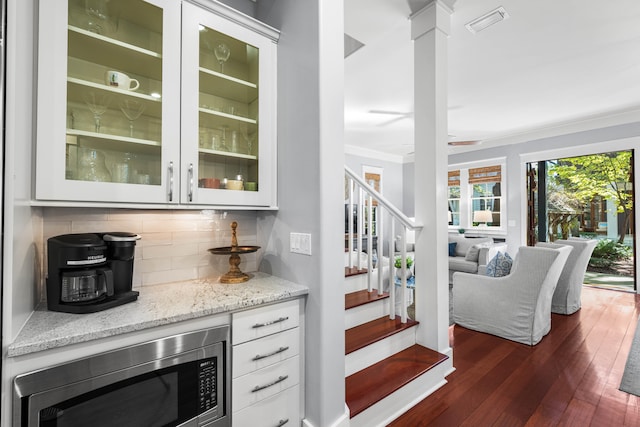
column 263, row 356
column 282, row 422
column 171, row 181
column 260, row 325
column 262, row 387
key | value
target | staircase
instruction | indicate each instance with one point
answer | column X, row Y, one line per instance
column 386, row 371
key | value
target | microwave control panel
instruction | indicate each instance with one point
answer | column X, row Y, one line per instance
column 207, row 384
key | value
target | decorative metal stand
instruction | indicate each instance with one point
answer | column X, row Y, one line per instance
column 234, row 275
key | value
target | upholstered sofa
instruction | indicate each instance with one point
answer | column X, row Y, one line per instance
column 471, row 255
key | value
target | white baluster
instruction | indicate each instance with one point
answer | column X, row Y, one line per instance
column 350, row 216
column 392, row 273
column 380, row 247
column 360, row 223
column 369, row 242
column 403, row 280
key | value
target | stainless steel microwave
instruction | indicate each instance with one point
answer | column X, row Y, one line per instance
column 182, row 380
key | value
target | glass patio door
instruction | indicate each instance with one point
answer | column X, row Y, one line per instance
column 589, row 196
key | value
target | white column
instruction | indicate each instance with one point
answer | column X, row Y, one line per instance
column 429, row 31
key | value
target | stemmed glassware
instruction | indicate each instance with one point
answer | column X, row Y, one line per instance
column 249, row 138
column 132, row 109
column 222, row 53
column 98, row 103
column 98, row 14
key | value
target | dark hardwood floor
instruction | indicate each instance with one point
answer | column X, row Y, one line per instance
column 570, row 378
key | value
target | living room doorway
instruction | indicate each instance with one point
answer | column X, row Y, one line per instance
column 589, row 196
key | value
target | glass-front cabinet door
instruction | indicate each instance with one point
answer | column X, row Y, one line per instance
column 228, row 110
column 108, row 101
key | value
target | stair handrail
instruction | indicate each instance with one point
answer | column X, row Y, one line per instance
column 405, row 220
column 395, row 214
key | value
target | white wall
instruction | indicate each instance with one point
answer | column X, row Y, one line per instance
column 21, row 223
column 588, row 142
column 409, row 188
column 310, row 188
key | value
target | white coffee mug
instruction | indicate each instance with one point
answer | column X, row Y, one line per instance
column 121, row 80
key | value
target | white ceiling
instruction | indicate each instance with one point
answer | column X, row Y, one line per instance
column 551, row 62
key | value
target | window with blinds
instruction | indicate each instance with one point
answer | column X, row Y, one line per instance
column 486, row 195
column 454, row 197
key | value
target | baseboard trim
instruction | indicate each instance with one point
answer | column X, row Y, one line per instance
column 342, row 421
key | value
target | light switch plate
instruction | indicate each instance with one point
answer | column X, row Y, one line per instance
column 300, row 243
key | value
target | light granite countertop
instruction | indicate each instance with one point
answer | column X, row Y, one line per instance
column 156, row 306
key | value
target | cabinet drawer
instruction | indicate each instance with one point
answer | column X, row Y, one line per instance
column 266, row 382
column 260, row 322
column 281, row 410
column 257, row 354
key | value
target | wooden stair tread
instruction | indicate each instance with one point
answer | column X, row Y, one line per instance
column 354, row 271
column 373, row 331
column 356, row 299
column 366, row 387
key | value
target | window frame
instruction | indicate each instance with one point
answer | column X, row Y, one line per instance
column 467, row 198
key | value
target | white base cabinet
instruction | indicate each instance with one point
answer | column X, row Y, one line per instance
column 283, row 409
column 267, row 367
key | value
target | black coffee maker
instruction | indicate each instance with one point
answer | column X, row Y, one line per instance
column 90, row 272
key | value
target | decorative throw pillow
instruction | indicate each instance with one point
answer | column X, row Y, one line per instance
column 474, row 252
column 452, row 248
column 500, row 265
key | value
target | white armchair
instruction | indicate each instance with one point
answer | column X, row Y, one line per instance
column 517, row 306
column 567, row 298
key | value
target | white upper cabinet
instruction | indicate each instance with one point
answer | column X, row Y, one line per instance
column 155, row 102
column 228, row 109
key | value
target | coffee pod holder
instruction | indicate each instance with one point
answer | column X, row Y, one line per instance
column 234, row 275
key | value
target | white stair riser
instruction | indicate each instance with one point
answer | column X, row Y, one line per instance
column 373, row 353
column 399, row 402
column 360, row 282
column 365, row 313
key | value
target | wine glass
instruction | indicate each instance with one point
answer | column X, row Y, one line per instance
column 132, row 109
column 98, row 103
column 98, row 14
column 222, row 53
column 249, row 138
column 224, row 147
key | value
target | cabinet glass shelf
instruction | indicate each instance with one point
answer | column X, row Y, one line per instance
column 100, row 86
column 228, row 87
column 112, row 53
column 227, row 154
column 227, row 116
column 111, row 139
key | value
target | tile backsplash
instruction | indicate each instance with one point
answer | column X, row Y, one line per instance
column 174, row 243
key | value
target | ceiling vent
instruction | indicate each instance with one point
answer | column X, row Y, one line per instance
column 351, row 45
column 487, row 20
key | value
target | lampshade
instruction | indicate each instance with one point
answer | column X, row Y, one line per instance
column 449, row 216
column 482, row 216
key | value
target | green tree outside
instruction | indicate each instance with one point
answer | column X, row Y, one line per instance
column 587, row 177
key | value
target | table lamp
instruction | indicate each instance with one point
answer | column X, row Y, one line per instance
column 483, row 217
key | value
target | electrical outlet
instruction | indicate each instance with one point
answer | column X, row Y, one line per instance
column 300, row 243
